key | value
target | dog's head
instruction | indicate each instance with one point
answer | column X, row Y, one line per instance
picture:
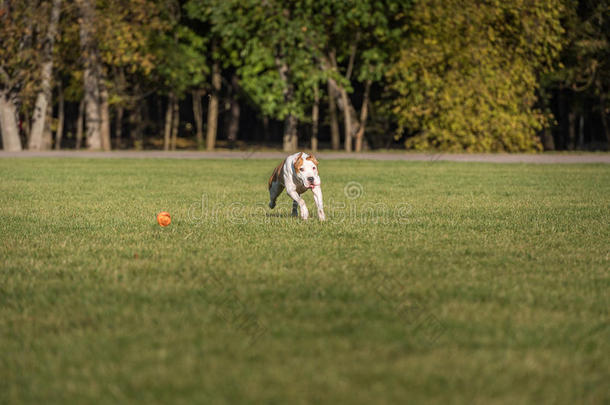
column 307, row 170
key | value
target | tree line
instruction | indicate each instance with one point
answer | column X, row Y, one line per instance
column 453, row 75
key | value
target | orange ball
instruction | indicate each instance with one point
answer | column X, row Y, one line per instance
column 163, row 218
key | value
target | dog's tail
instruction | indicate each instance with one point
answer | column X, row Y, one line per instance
column 277, row 172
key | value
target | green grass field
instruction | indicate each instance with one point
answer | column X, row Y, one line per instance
column 430, row 282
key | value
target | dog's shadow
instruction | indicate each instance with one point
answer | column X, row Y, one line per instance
column 280, row 215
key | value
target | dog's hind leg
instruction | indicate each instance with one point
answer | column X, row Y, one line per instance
column 274, row 191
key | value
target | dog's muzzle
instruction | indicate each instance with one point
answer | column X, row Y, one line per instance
column 311, row 182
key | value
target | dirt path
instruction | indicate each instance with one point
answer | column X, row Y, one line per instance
column 407, row 156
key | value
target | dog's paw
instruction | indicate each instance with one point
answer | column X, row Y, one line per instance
column 321, row 216
column 272, row 204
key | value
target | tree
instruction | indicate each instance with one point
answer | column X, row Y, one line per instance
column 18, row 56
column 263, row 44
column 91, row 75
column 235, row 110
column 315, row 113
column 212, row 127
column 453, row 75
column 351, row 43
column 207, row 14
column 334, row 123
column 119, row 56
column 468, row 74
column 8, row 121
column 181, row 65
column 43, row 98
column 198, row 116
column 584, row 76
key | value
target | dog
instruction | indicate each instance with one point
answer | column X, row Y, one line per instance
column 297, row 173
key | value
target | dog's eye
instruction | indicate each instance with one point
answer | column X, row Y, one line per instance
column 301, row 169
column 314, row 168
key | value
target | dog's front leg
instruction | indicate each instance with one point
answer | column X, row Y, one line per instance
column 317, row 196
column 295, row 211
column 292, row 192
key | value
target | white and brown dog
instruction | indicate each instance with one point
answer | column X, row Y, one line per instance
column 297, row 173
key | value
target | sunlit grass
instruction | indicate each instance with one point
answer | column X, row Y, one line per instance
column 443, row 282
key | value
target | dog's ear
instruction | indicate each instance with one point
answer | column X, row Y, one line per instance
column 313, row 159
column 298, row 162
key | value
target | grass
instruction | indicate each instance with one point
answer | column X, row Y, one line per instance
column 466, row 283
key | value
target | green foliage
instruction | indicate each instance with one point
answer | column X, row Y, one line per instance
column 373, row 28
column 467, row 75
column 255, row 38
column 260, row 80
column 451, row 75
column 181, row 56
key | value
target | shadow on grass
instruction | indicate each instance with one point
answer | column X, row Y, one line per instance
column 280, row 215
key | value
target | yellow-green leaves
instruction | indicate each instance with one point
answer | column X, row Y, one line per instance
column 466, row 77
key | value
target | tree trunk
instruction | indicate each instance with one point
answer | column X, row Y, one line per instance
column 47, row 135
column 547, row 139
column 8, row 123
column 343, row 101
column 233, row 127
column 234, row 124
column 290, row 133
column 349, row 112
column 79, row 123
column 213, row 107
column 9, row 118
column 105, row 118
column 266, row 134
column 295, row 136
column 290, row 139
column 24, row 125
column 60, row 118
column 44, row 95
column 347, row 121
column 118, row 126
column 581, row 131
column 136, row 122
column 198, row 115
column 315, row 112
column 334, row 123
column 91, row 75
column 564, row 127
column 352, row 57
column 604, row 116
column 175, row 123
column 572, row 129
column 168, row 121
column 120, row 86
column 363, row 115
column 160, row 126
